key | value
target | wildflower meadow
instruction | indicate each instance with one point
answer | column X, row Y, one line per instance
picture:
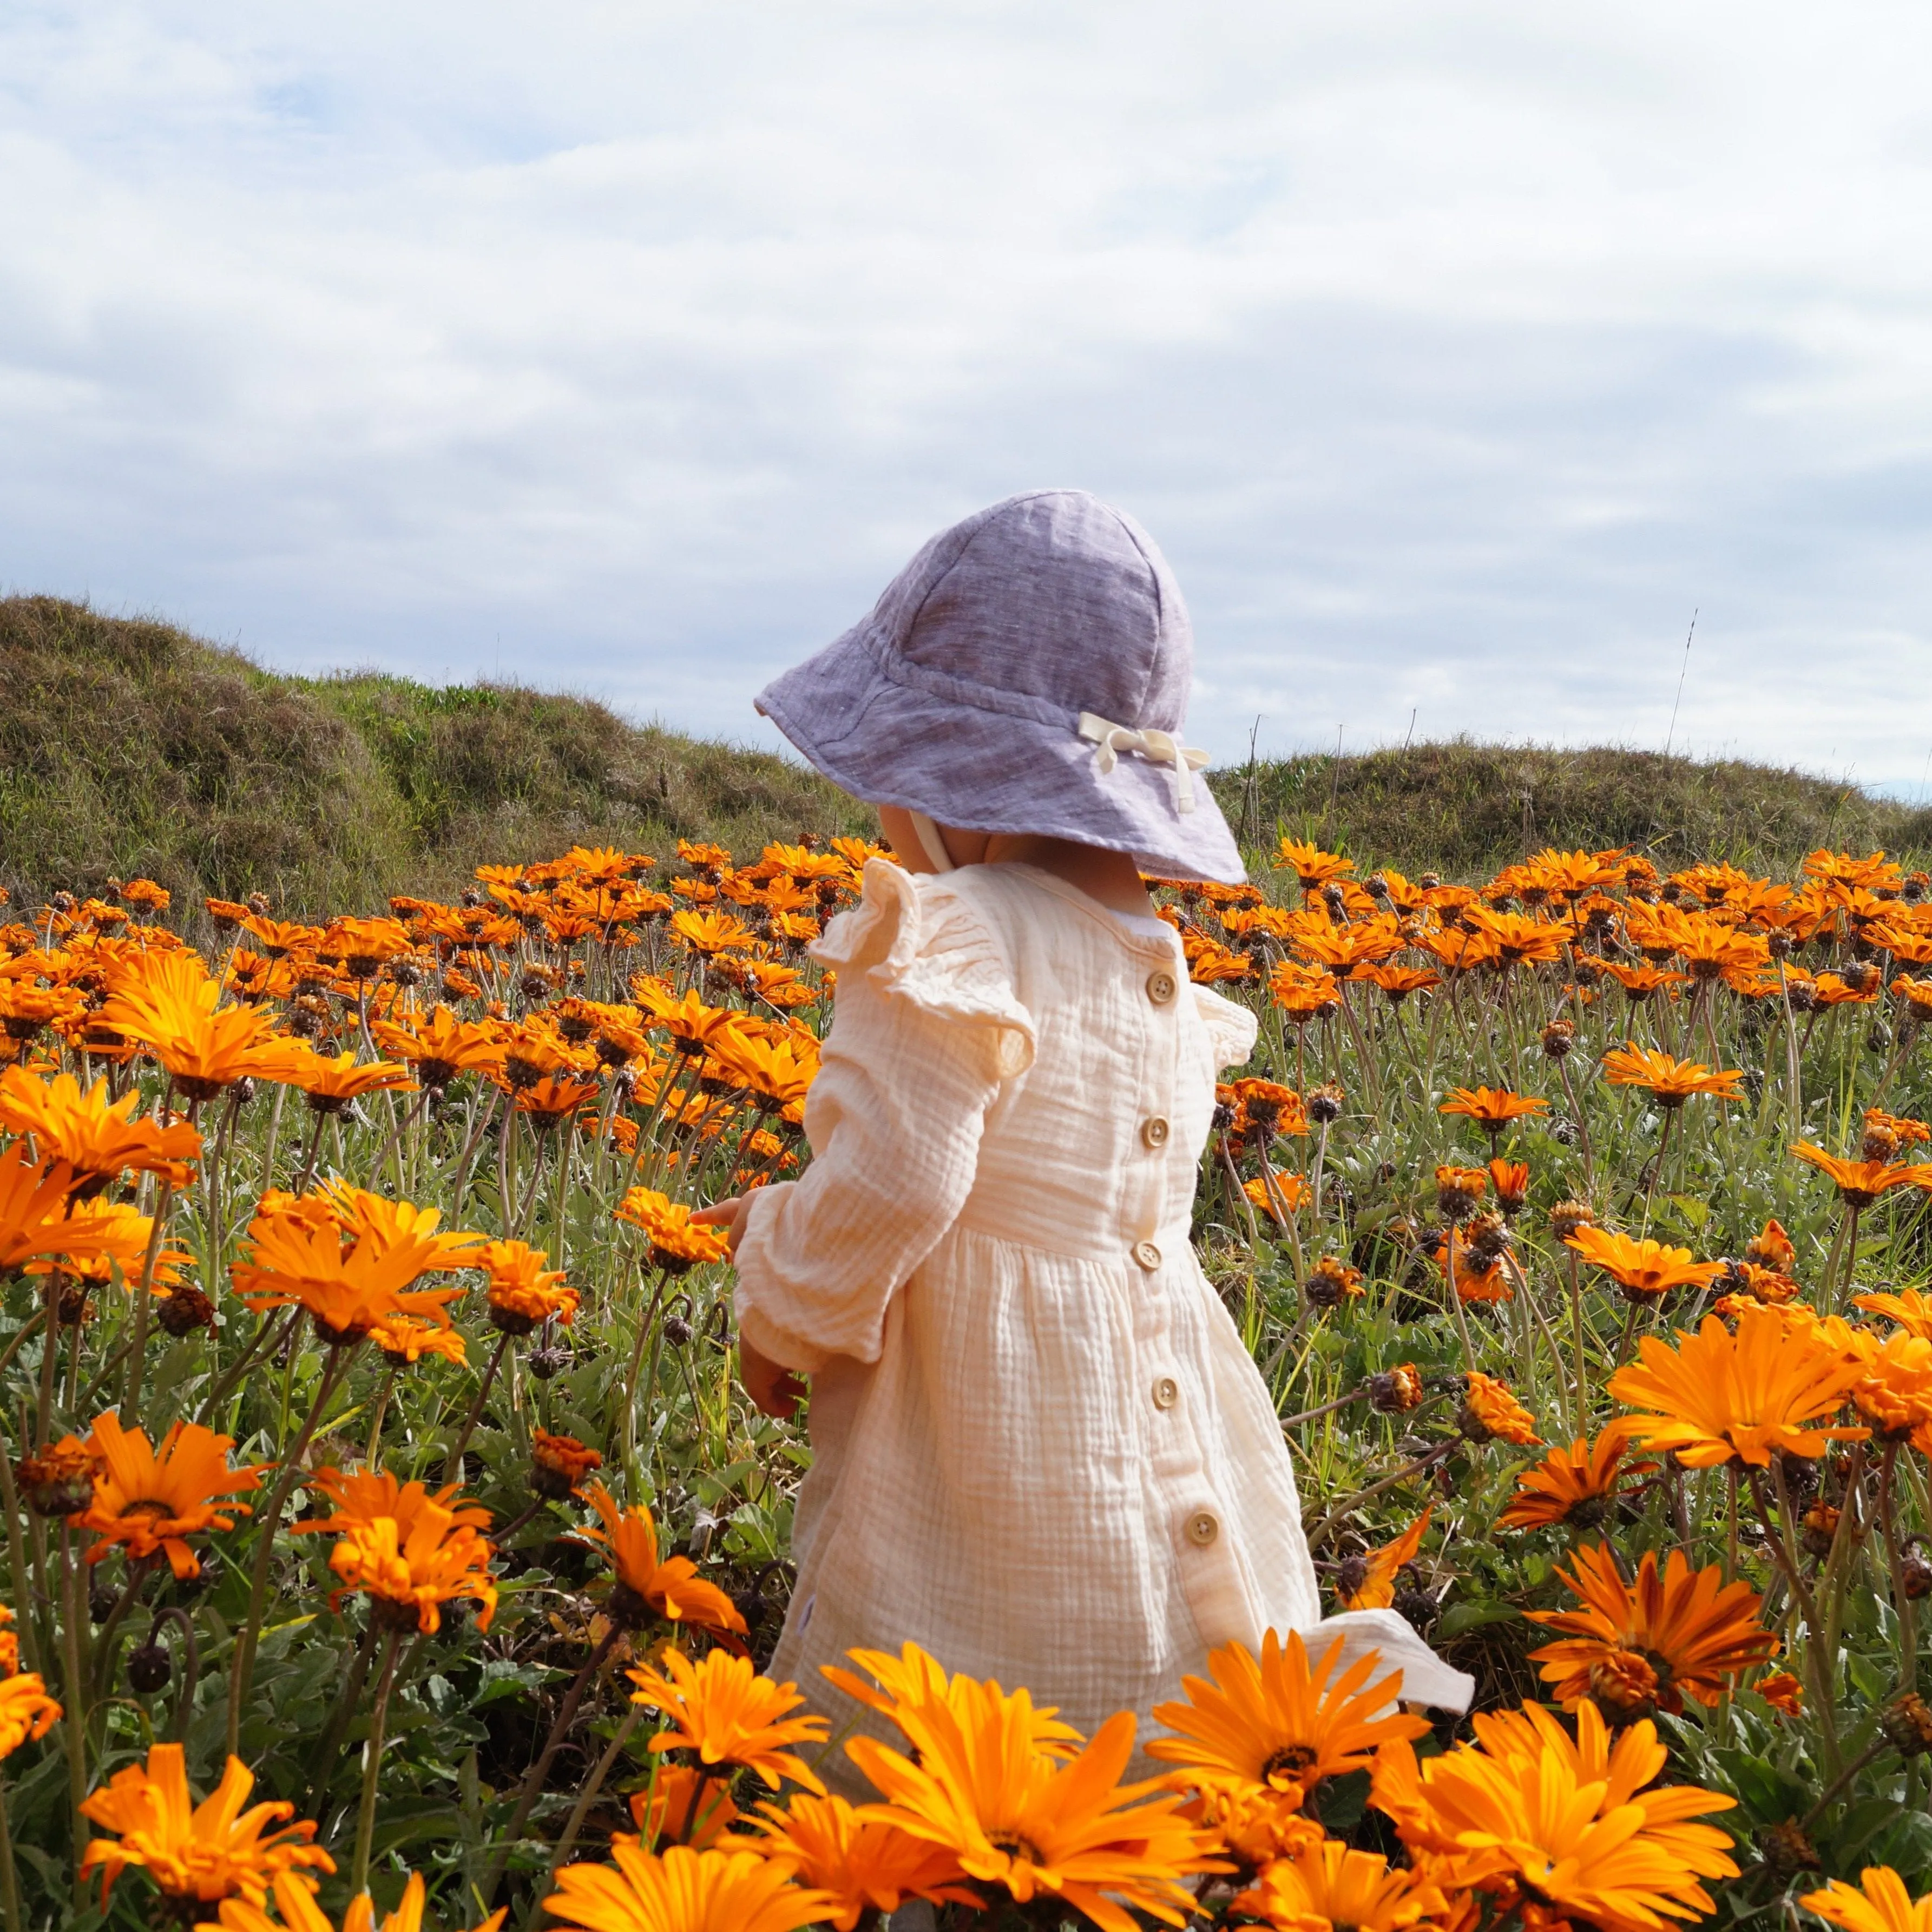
column 389, row 1544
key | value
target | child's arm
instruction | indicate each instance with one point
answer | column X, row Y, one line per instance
column 924, row 1041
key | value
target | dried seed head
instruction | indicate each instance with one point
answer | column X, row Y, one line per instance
column 1459, row 1191
column 1416, row 1608
column 1487, row 1236
column 1351, row 1574
column 1880, row 1143
column 1559, row 1037
column 183, row 1310
column 59, row 1482
column 1325, row 1103
column 1907, row 1725
column 149, row 1667
column 1821, row 1528
column 1332, row 1281
column 1787, row 1850
column 545, row 1363
column 1395, row 1391
column 1915, row 1574
column 1567, row 1216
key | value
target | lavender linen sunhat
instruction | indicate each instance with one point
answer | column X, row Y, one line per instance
column 1028, row 671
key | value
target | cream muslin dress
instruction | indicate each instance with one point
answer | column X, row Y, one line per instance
column 1040, row 1450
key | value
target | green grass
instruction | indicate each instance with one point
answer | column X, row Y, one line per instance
column 1465, row 809
column 128, row 747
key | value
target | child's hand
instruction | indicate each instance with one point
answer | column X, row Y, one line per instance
column 728, row 1214
column 773, row 1388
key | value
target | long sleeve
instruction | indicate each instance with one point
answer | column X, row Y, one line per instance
column 927, row 1031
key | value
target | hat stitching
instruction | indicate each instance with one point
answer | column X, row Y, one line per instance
column 895, row 669
column 1159, row 611
column 887, row 651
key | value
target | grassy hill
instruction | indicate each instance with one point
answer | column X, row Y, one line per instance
column 1465, row 808
column 129, row 747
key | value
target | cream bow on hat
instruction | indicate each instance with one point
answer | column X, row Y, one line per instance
column 1160, row 748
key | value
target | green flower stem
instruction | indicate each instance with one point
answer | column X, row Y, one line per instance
column 330, row 1748
column 10, row 1876
column 586, row 1798
column 73, row 1698
column 250, row 1635
column 452, row 1468
column 533, row 1779
column 28, row 1624
column 266, row 1334
column 372, row 1761
column 1908, row 1619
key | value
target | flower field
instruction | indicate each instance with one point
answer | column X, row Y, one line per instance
column 383, row 1516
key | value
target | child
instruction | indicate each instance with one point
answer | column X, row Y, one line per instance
column 1040, row 1450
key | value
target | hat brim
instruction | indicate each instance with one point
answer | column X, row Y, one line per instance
column 893, row 744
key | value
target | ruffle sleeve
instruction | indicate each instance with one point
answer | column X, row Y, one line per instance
column 926, row 1032
column 1387, row 1635
column 1231, row 1029
column 921, row 942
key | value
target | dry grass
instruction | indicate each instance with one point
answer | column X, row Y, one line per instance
column 128, row 747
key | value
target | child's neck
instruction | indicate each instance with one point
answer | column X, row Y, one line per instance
column 1111, row 878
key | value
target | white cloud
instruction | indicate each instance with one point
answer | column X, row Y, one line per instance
column 1455, row 354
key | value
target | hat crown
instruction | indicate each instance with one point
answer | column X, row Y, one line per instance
column 1052, row 596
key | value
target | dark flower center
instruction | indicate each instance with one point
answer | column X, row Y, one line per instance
column 1015, row 1846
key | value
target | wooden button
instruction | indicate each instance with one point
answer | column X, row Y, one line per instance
column 1202, row 1529
column 1154, row 1131
column 1161, row 986
column 1147, row 1255
column 1166, row 1392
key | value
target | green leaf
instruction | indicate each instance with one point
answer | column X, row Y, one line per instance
column 1906, row 1845
column 1460, row 1617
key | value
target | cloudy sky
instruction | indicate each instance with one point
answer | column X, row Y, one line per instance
column 1456, row 353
